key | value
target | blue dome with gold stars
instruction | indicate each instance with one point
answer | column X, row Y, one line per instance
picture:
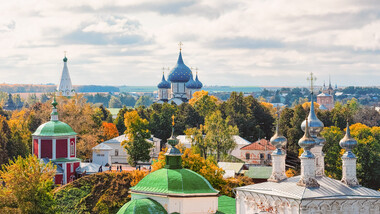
column 191, row 84
column 180, row 73
column 164, row 84
column 199, row 84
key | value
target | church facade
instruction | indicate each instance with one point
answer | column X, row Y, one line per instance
column 180, row 84
column 55, row 141
column 312, row 191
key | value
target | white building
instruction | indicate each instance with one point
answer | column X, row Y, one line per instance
column 311, row 192
column 111, row 151
column 65, row 88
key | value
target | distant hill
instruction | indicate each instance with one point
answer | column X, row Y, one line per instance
column 31, row 88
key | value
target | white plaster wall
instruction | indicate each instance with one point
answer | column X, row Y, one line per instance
column 99, row 159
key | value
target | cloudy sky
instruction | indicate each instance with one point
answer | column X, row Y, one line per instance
column 239, row 43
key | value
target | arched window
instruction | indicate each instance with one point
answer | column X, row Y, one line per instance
column 269, row 157
column 247, row 156
column 261, row 156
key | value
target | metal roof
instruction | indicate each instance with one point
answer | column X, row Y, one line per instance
column 236, row 167
column 259, row 172
column 329, row 189
column 259, row 145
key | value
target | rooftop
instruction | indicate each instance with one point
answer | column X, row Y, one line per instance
column 329, row 189
column 262, row 144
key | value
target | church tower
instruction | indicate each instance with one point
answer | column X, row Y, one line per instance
column 65, row 87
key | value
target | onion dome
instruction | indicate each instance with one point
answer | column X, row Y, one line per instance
column 199, row 83
column 315, row 125
column 191, row 84
column 145, row 205
column 180, row 73
column 65, row 59
column 307, row 142
column 348, row 143
column 173, row 179
column 163, row 84
column 54, row 127
column 278, row 141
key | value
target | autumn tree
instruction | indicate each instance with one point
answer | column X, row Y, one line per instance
column 203, row 103
column 119, row 121
column 219, row 134
column 108, row 131
column 28, row 186
column 198, row 141
column 137, row 147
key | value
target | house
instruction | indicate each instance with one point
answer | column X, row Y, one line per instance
column 257, row 153
column 231, row 169
column 111, row 151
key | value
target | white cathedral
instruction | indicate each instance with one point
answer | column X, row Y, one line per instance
column 311, row 192
column 65, row 88
column 180, row 85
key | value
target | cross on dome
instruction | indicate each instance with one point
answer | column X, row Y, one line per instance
column 311, row 79
column 180, row 44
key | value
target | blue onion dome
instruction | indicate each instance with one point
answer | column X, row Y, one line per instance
column 348, row 143
column 307, row 142
column 164, row 84
column 180, row 73
column 199, row 84
column 315, row 125
column 278, row 141
column 191, row 84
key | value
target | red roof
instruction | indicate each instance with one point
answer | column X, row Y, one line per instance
column 259, row 145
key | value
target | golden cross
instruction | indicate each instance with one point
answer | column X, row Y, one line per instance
column 163, row 70
column 180, row 44
column 65, row 53
column 312, row 79
column 196, row 70
column 173, row 120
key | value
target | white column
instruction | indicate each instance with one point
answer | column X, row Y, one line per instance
column 349, row 171
column 308, row 172
column 278, row 168
column 68, row 147
column 319, row 160
column 64, row 173
column 39, row 147
column 54, row 149
column 75, row 146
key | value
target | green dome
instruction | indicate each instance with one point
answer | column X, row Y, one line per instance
column 54, row 128
column 140, row 206
column 174, row 181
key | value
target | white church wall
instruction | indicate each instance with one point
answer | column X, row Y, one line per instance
column 101, row 157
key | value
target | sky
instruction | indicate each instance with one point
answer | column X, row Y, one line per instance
column 236, row 43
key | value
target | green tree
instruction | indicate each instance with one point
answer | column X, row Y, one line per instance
column 198, row 141
column 161, row 120
column 144, row 101
column 137, row 147
column 119, row 121
column 115, row 102
column 28, row 186
column 333, row 152
column 219, row 134
column 186, row 117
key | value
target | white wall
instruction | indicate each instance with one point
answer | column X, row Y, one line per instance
column 101, row 157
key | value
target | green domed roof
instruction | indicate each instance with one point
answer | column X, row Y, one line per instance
column 145, row 205
column 174, row 181
column 54, row 128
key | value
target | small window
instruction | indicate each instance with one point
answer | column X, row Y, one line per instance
column 269, row 157
column 72, row 167
column 247, row 156
column 261, row 156
column 116, row 152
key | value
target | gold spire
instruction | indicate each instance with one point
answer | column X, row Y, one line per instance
column 180, row 44
column 173, row 120
column 312, row 79
column 65, row 53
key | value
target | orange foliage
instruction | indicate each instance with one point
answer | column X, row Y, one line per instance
column 109, row 131
column 137, row 176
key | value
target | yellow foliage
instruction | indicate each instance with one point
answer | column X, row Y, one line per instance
column 270, row 107
column 198, row 95
column 307, row 105
column 290, row 172
column 137, row 176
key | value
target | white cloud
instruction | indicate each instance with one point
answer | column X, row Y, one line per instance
column 240, row 42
